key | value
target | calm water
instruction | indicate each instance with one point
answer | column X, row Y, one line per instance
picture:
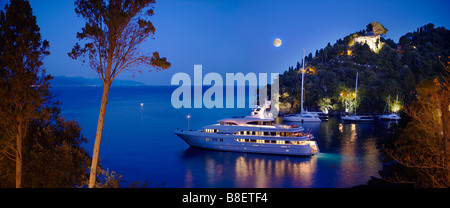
column 138, row 143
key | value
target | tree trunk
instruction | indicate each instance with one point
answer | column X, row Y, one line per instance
column 98, row 135
column 19, row 137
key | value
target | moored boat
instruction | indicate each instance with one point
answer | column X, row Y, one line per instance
column 254, row 134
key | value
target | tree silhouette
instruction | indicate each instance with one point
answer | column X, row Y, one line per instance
column 112, row 35
column 23, row 84
column 376, row 28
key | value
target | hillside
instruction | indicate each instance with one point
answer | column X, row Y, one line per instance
column 385, row 68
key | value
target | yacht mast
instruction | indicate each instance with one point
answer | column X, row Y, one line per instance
column 356, row 90
column 303, row 75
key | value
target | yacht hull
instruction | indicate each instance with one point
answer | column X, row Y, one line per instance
column 229, row 142
column 356, row 120
column 389, row 117
column 301, row 119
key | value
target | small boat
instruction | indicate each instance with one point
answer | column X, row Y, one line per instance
column 303, row 116
column 355, row 118
column 390, row 116
column 358, row 119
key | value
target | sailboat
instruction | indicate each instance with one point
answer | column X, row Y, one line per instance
column 303, row 116
column 390, row 116
column 355, row 118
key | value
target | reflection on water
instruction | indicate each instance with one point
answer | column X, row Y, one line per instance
column 265, row 172
column 249, row 170
column 349, row 156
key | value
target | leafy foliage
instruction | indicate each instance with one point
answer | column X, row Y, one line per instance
column 53, row 155
column 112, row 35
column 420, row 151
column 376, row 28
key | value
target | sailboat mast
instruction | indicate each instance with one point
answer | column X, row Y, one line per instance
column 396, row 103
column 356, row 90
column 303, row 75
column 389, row 104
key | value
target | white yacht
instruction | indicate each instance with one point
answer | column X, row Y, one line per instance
column 302, row 117
column 254, row 134
column 355, row 118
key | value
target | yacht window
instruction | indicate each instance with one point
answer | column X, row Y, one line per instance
column 211, row 130
column 299, row 142
column 297, row 134
column 253, row 122
column 260, row 122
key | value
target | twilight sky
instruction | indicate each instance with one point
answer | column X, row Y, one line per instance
column 237, row 36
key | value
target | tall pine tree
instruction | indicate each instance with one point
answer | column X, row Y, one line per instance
column 23, row 84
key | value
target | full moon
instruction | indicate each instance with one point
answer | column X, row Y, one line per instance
column 277, row 42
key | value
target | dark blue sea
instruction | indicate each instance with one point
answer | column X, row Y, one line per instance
column 138, row 142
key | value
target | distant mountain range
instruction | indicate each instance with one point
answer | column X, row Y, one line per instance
column 81, row 81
